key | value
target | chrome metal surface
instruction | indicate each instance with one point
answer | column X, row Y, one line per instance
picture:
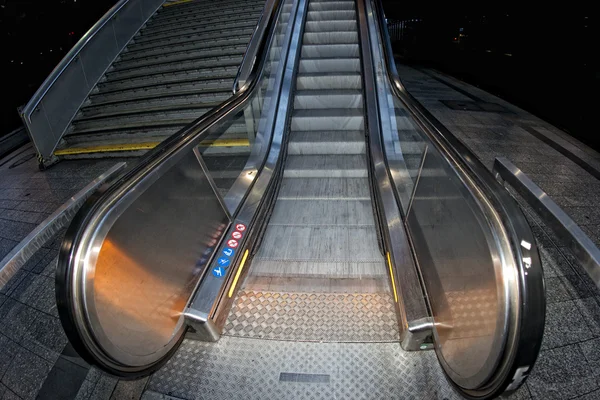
column 251, row 54
column 410, row 302
column 18, row 256
column 143, row 260
column 210, row 291
column 418, row 335
column 54, row 105
column 586, row 252
column 162, row 220
column 455, row 187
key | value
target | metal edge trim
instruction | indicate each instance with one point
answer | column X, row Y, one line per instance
column 585, row 251
column 14, row 260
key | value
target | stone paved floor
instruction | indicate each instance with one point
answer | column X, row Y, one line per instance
column 37, row 362
column 508, row 134
column 28, row 195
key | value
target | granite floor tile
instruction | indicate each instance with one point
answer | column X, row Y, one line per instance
column 27, row 288
column 9, row 395
column 129, row 390
column 590, row 311
column 35, row 259
column 63, row 382
column 564, row 325
column 6, row 245
column 45, row 337
column 562, row 373
column 16, row 318
column 8, row 350
column 595, row 395
column 13, row 283
column 26, row 374
column 48, row 257
column 553, row 263
column 2, row 299
column 44, row 299
column 566, row 287
column 104, row 388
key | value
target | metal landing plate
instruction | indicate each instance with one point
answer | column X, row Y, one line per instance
column 237, row 368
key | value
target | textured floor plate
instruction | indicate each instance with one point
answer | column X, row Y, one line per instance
column 328, row 317
column 236, row 368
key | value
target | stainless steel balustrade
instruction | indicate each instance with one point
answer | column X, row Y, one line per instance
column 136, row 251
column 49, row 112
column 474, row 249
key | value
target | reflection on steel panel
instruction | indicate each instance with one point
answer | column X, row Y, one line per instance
column 149, row 263
column 460, row 264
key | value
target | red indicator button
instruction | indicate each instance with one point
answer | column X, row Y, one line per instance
column 232, row 243
column 236, row 235
column 240, row 227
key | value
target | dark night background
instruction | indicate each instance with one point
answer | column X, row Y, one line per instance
column 544, row 60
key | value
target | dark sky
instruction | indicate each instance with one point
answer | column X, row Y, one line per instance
column 36, row 34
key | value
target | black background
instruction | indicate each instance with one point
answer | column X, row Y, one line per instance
column 552, row 71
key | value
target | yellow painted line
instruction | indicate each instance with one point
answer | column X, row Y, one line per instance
column 145, row 146
column 106, row 148
column 238, row 273
column 392, row 276
column 226, row 143
column 174, row 3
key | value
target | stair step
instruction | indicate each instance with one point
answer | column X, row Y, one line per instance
column 332, row 166
column 322, row 212
column 203, row 21
column 322, row 65
column 330, row 51
column 331, row 81
column 328, row 120
column 173, row 99
column 328, row 142
column 331, row 5
column 330, row 38
column 330, row 15
column 331, row 26
column 320, row 99
column 324, row 188
column 211, row 31
column 216, row 78
column 175, row 67
column 212, row 54
column 175, row 40
column 331, row 243
column 132, row 53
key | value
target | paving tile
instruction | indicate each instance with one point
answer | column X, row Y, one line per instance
column 8, row 204
column 562, row 288
column 35, row 259
column 564, row 325
column 13, row 283
column 6, row 245
column 9, row 394
column 48, row 257
column 104, row 388
column 553, row 263
column 45, row 337
column 15, row 230
column 44, row 299
column 595, row 395
column 2, row 299
column 521, row 394
column 26, row 288
column 16, row 318
column 23, row 216
column 129, row 390
column 64, row 381
column 562, row 373
column 8, row 349
column 590, row 311
column 26, row 374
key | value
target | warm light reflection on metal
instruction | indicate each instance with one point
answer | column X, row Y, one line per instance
column 238, row 273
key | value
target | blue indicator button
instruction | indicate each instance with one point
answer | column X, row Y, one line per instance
column 219, row 272
column 228, row 251
column 223, row 262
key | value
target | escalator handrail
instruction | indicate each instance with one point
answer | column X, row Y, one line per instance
column 156, row 161
column 531, row 285
column 251, row 54
column 70, row 57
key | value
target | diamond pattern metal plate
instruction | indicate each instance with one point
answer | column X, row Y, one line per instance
column 238, row 368
column 330, row 317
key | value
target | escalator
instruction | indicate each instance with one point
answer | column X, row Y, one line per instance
column 354, row 217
